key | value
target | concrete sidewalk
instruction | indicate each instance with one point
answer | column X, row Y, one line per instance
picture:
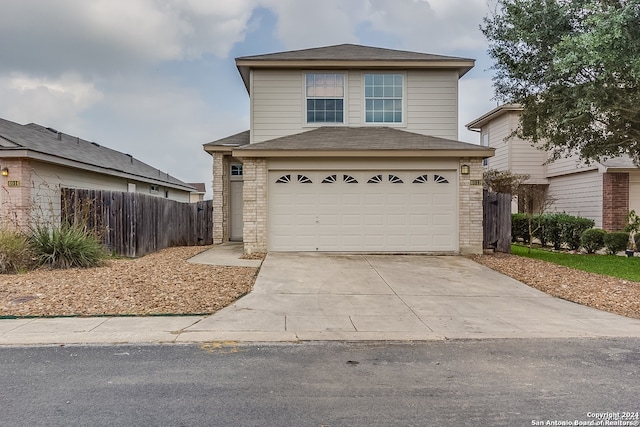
column 310, row 296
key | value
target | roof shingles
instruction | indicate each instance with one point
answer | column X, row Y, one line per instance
column 48, row 141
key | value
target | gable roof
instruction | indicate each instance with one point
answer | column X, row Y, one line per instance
column 351, row 56
column 49, row 145
column 361, row 141
column 229, row 142
column 481, row 121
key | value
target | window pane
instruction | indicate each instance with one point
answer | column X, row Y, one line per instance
column 369, row 104
column 383, row 98
column 330, row 116
column 325, row 93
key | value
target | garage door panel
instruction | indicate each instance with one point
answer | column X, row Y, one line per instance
column 383, row 216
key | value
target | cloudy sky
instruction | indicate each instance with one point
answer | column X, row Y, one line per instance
column 157, row 78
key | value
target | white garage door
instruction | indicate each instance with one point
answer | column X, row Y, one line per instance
column 374, row 211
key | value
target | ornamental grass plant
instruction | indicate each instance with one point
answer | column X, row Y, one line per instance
column 67, row 246
column 16, row 254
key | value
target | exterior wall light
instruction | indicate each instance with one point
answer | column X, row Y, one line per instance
column 5, row 171
column 465, row 170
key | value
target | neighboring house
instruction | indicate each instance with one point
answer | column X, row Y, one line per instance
column 36, row 162
column 604, row 192
column 350, row 148
column 198, row 194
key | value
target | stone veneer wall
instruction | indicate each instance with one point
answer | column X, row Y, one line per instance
column 15, row 202
column 470, row 207
column 615, row 200
column 220, row 198
column 254, row 194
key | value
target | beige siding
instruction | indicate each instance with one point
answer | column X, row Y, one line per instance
column 498, row 130
column 278, row 103
column 525, row 158
column 432, row 103
column 355, row 99
column 566, row 165
column 48, row 179
column 634, row 192
column 578, row 194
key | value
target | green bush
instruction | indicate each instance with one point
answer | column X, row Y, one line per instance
column 616, row 241
column 636, row 240
column 15, row 252
column 572, row 228
column 67, row 246
column 592, row 239
column 519, row 227
column 553, row 228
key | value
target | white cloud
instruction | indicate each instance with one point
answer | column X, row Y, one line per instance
column 52, row 102
column 103, row 37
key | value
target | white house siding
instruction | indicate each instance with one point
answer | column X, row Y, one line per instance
column 47, row 180
column 278, row 103
column 578, row 194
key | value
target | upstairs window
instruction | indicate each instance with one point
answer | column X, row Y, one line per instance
column 325, row 98
column 383, row 98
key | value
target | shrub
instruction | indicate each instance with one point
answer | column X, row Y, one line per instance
column 553, row 229
column 15, row 252
column 592, row 239
column 636, row 240
column 67, row 246
column 616, row 241
column 572, row 228
column 519, row 227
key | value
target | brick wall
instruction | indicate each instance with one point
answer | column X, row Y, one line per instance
column 615, row 200
column 220, row 197
column 15, row 201
column 470, row 207
column 254, row 193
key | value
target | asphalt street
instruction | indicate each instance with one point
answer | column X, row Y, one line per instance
column 514, row 382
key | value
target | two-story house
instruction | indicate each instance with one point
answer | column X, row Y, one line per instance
column 604, row 192
column 350, row 148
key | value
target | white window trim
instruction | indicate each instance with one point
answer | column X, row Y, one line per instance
column 345, row 114
column 402, row 124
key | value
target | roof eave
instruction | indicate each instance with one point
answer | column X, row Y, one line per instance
column 484, row 153
column 477, row 124
column 48, row 158
column 245, row 65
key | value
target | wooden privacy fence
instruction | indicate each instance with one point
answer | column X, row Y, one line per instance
column 135, row 224
column 496, row 208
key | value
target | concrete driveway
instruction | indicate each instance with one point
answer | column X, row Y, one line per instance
column 313, row 296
